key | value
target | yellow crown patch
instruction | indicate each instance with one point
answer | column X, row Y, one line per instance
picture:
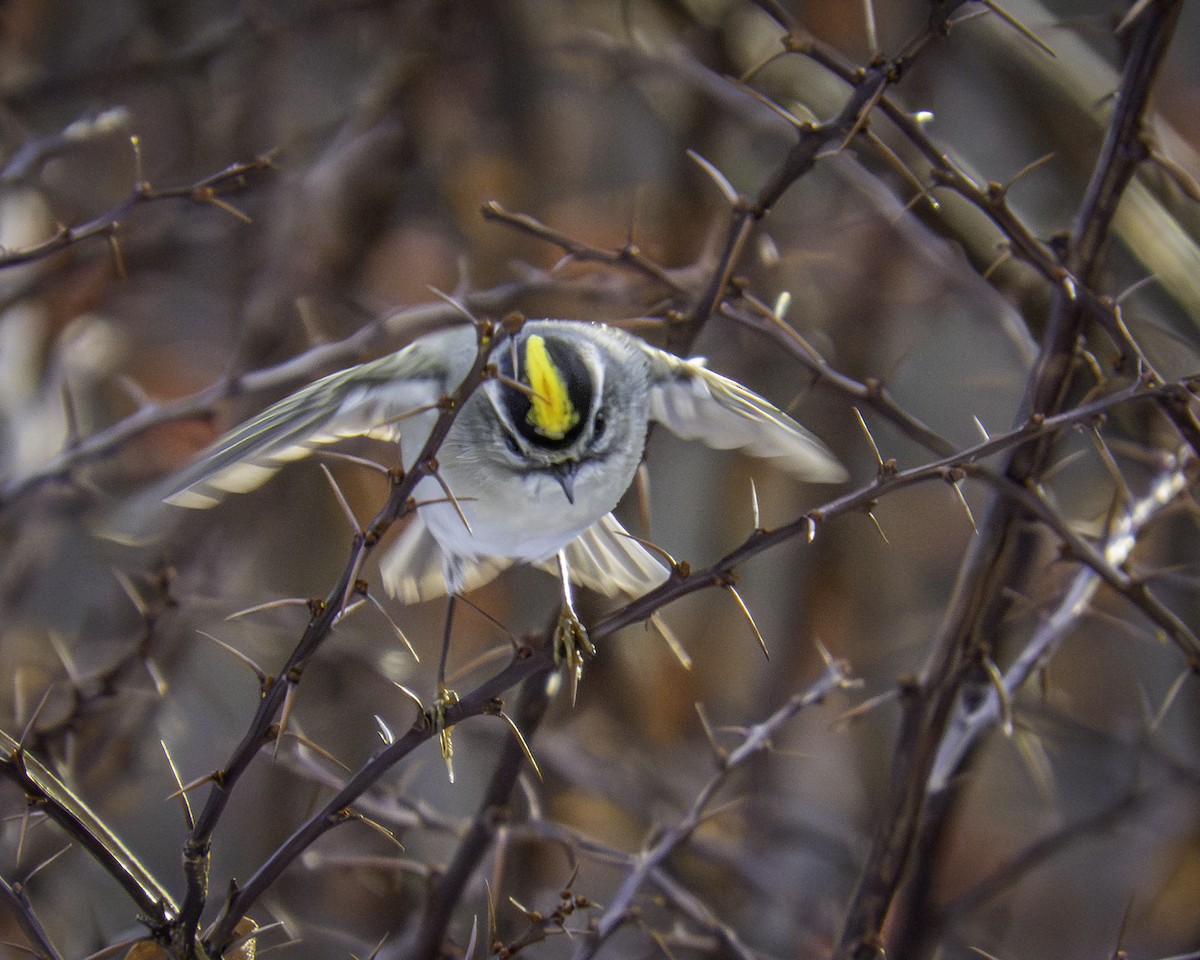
column 552, row 413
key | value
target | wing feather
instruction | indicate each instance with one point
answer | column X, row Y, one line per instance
column 695, row 403
column 606, row 559
column 371, row 399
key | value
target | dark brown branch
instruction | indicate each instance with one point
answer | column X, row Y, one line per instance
column 206, row 191
column 533, row 662
column 326, row 613
column 446, row 889
column 993, row 560
column 18, row 904
column 54, row 798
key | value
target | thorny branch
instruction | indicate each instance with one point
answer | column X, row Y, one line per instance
column 325, row 615
column 969, row 724
column 757, row 739
column 531, row 662
column 938, row 731
column 45, row 791
column 207, row 191
column 993, row 561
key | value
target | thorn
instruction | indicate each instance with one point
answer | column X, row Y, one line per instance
column 872, row 34
column 749, row 619
column 860, row 123
column 135, row 391
column 651, row 546
column 118, row 258
column 354, row 585
column 672, row 640
column 185, row 802
column 1028, row 168
column 707, row 727
column 1020, row 27
column 1004, row 257
column 285, row 715
column 837, row 667
column 308, row 321
column 228, row 208
column 997, row 678
column 384, row 731
column 491, row 912
column 135, row 597
column 1177, row 174
column 982, row 429
column 878, row 528
column 757, row 68
column 469, row 952
column 411, row 696
column 870, row 439
column 1130, row 15
column 383, row 941
column 395, row 627
column 351, row 458
column 23, row 740
column 188, row 787
column 521, row 740
column 732, row 197
column 454, row 302
column 269, row 605
column 70, row 415
column 495, row 622
column 351, row 519
column 139, row 171
column 453, row 501
column 957, row 488
column 45, row 863
column 239, row 656
column 397, row 418
column 743, row 84
column 517, row 385
column 1036, row 760
column 812, row 528
column 1169, row 699
column 156, row 676
column 320, row 751
column 378, row 828
column 905, row 171
column 26, row 814
column 64, row 657
column 782, row 304
column 1122, row 493
column 856, row 713
column 754, row 505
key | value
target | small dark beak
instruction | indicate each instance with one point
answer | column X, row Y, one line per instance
column 564, row 473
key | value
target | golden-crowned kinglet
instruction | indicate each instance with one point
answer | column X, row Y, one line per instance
column 534, row 470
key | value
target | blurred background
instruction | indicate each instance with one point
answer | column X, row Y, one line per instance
column 388, row 126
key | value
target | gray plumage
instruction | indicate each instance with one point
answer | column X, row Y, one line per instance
column 526, row 492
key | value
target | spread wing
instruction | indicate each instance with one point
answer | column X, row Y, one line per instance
column 696, row 404
column 372, row 399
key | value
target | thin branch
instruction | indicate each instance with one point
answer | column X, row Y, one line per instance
column 756, row 740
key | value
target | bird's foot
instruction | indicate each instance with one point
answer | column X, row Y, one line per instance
column 572, row 647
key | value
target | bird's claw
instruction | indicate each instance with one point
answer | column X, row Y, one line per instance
column 572, row 647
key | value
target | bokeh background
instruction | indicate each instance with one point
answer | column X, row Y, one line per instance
column 388, row 126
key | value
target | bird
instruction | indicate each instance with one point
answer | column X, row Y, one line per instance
column 532, row 466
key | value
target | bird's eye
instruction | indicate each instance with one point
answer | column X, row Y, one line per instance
column 599, row 425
